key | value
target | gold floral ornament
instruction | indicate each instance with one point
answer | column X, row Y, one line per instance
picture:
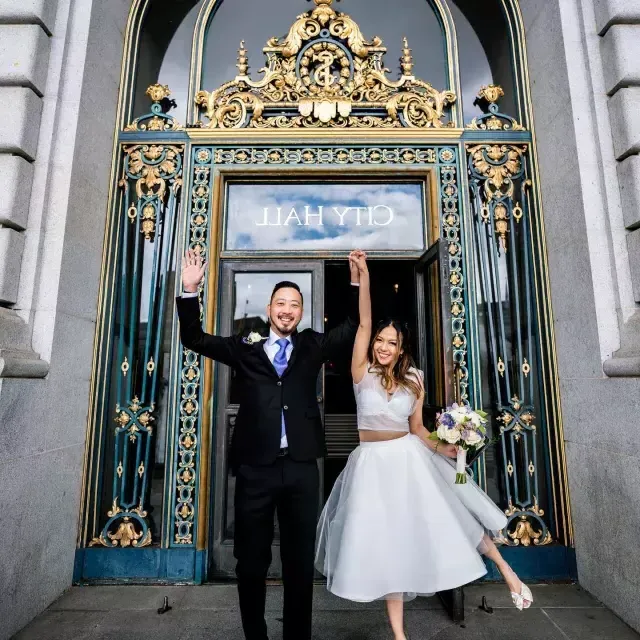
column 153, row 167
column 520, row 530
column 324, row 73
column 496, row 167
column 126, row 534
column 493, row 120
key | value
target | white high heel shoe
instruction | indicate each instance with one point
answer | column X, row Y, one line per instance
column 524, row 599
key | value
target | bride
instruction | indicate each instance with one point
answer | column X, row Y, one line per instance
column 396, row 525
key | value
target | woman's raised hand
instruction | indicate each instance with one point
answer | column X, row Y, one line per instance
column 357, row 264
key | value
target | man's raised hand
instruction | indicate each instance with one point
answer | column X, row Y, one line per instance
column 193, row 269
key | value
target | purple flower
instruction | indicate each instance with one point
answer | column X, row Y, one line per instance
column 447, row 420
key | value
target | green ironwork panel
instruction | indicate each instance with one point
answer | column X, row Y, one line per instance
column 144, row 219
column 503, row 253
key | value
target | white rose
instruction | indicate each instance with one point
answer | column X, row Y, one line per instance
column 458, row 415
column 476, row 419
column 473, row 438
column 448, row 435
column 254, row 337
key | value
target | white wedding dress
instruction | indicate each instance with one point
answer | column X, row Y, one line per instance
column 396, row 525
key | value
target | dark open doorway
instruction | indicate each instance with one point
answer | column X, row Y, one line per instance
column 393, row 294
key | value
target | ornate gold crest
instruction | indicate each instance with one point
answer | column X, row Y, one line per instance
column 325, row 74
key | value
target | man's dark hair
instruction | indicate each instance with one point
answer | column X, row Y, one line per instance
column 286, row 284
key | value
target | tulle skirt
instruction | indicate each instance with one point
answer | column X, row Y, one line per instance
column 396, row 525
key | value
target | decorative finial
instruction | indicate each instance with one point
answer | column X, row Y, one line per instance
column 491, row 93
column 158, row 92
column 323, row 2
column 406, row 61
column 243, row 60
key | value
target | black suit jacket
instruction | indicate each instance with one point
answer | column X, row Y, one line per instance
column 264, row 396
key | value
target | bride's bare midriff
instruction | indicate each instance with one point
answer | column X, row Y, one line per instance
column 380, row 436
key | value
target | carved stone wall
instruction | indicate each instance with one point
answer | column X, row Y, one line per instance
column 61, row 81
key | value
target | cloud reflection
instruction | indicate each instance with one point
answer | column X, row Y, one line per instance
column 287, row 216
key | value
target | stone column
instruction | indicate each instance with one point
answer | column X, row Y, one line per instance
column 26, row 32
column 60, row 64
column 618, row 25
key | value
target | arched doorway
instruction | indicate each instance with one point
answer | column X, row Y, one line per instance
column 322, row 127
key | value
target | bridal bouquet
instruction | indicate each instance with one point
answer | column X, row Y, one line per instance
column 467, row 429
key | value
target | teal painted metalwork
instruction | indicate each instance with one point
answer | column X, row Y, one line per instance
column 151, row 181
column 187, row 444
column 503, row 249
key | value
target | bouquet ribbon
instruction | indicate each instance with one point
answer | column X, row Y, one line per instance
column 461, row 466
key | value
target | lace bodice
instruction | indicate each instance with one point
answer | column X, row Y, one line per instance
column 377, row 412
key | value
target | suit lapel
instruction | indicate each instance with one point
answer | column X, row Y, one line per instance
column 262, row 354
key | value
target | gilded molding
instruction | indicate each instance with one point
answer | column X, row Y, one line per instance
column 324, row 73
column 190, row 414
column 444, row 158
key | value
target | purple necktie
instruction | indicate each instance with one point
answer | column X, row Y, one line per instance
column 280, row 364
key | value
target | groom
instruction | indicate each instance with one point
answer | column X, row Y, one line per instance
column 278, row 437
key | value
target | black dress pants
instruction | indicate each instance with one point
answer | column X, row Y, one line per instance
column 290, row 489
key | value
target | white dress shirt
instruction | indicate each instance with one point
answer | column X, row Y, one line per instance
column 271, row 347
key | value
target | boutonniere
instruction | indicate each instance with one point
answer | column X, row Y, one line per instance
column 253, row 338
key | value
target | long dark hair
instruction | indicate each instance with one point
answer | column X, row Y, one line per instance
column 399, row 375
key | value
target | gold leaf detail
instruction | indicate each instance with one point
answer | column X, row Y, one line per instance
column 524, row 534
column 333, row 81
column 126, row 534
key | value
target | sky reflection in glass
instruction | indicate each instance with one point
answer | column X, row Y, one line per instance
column 290, row 216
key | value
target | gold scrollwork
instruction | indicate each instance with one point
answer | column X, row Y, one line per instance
column 524, row 533
column 510, row 510
column 115, row 509
column 324, row 73
column 126, row 534
column 495, row 167
column 146, row 162
column 497, row 163
column 536, row 507
column 153, row 167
